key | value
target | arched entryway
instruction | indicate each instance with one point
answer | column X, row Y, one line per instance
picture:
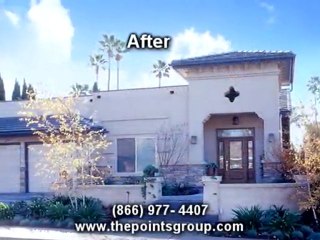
column 235, row 143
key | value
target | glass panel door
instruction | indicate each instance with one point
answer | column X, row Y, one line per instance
column 236, row 161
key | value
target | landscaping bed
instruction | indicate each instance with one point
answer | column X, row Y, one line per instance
column 273, row 223
column 56, row 212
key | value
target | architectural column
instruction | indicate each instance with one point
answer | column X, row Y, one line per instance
column 196, row 149
column 22, row 167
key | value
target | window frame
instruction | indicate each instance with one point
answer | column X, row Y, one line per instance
column 135, row 173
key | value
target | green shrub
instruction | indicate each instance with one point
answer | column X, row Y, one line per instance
column 21, row 208
column 278, row 235
column 90, row 212
column 252, row 233
column 250, row 217
column 25, row 222
column 280, row 219
column 17, row 218
column 297, row 235
column 179, row 189
column 314, row 236
column 6, row 212
column 65, row 200
column 38, row 207
column 306, row 230
column 57, row 211
column 150, row 171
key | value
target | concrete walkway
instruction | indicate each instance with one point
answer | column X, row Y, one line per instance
column 20, row 233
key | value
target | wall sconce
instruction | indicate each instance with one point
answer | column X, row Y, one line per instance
column 235, row 120
column 271, row 137
column 193, row 140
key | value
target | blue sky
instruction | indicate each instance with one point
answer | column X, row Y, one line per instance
column 48, row 42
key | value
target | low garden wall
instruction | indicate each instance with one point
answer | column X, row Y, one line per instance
column 125, row 193
column 114, row 194
column 222, row 198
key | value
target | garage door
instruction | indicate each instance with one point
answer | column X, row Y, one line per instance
column 39, row 181
column 10, row 168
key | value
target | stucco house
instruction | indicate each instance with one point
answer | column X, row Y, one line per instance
column 236, row 109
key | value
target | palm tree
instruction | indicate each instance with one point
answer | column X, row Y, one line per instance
column 79, row 90
column 161, row 69
column 109, row 46
column 120, row 48
column 97, row 62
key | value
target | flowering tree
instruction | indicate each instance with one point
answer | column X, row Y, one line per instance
column 72, row 144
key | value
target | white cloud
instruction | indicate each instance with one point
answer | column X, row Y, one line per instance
column 267, row 6
column 40, row 51
column 52, row 25
column 270, row 10
column 191, row 43
column 13, row 17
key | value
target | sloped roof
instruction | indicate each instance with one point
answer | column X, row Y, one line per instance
column 15, row 126
column 234, row 57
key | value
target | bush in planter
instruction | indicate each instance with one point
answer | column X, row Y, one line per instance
column 211, row 169
column 150, row 171
column 6, row 212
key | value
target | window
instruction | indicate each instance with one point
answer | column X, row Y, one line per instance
column 246, row 132
column 134, row 154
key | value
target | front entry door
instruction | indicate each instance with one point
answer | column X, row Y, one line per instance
column 236, row 160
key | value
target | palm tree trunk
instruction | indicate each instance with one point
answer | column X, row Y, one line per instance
column 109, row 74
column 159, row 81
column 117, row 75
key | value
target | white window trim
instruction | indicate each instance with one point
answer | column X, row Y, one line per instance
column 136, row 173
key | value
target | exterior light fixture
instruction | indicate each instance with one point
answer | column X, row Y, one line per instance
column 271, row 137
column 193, row 140
column 235, row 120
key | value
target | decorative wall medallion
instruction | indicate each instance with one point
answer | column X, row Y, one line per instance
column 231, row 94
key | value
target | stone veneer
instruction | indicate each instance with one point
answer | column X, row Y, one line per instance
column 190, row 174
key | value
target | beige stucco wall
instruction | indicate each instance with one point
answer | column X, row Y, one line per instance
column 258, row 86
column 247, row 195
column 248, row 120
column 142, row 112
column 114, row 194
column 223, row 198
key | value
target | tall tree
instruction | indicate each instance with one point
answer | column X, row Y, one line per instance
column 95, row 87
column 109, row 44
column 79, row 90
column 16, row 94
column 97, row 62
column 31, row 92
column 120, row 49
column 2, row 90
column 161, row 69
column 24, row 94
